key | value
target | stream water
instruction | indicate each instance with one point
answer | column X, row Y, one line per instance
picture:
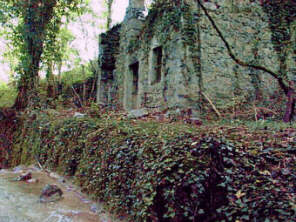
column 19, row 201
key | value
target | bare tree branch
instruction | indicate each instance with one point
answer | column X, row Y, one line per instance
column 109, row 15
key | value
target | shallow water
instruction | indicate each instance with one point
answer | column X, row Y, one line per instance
column 19, row 201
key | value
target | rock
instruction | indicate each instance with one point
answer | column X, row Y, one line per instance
column 104, row 218
column 2, row 171
column 24, row 176
column 94, row 208
column 18, row 169
column 137, row 113
column 51, row 193
column 35, row 168
column 54, row 175
column 78, row 115
column 286, row 171
column 172, row 113
column 61, row 180
column 33, row 180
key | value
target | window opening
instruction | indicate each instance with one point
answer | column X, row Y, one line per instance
column 134, row 68
column 156, row 64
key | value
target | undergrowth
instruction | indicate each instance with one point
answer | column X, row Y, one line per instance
column 257, row 125
column 168, row 171
column 7, row 95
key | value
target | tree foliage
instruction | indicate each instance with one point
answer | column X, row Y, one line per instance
column 34, row 28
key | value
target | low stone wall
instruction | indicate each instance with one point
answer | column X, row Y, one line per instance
column 166, row 171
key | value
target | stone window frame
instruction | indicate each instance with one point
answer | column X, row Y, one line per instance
column 134, row 72
column 155, row 73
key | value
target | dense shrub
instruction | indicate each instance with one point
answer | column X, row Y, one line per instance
column 7, row 95
column 166, row 172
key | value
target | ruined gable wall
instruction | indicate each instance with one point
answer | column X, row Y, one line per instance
column 109, row 44
column 165, row 27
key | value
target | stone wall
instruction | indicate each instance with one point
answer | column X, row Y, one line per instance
column 109, row 50
column 168, row 58
column 156, row 44
column 245, row 26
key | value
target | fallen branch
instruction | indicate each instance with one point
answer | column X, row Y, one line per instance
column 266, row 109
column 255, row 113
column 39, row 164
column 212, row 104
column 77, row 95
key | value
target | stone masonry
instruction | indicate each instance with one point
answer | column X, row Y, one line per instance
column 173, row 56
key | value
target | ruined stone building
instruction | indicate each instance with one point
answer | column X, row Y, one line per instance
column 173, row 56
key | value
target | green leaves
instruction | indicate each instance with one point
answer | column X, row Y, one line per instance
column 33, row 30
column 165, row 171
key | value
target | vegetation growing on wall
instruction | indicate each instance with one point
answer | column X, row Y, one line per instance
column 280, row 18
column 167, row 172
column 161, row 171
column 162, row 18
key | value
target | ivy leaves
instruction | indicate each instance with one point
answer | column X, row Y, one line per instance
column 166, row 172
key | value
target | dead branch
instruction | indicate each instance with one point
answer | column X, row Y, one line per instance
column 212, row 104
column 77, row 95
column 255, row 113
column 266, row 109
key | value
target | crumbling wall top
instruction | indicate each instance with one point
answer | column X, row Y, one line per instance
column 136, row 4
column 135, row 9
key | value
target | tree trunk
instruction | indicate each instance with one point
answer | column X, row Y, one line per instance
column 37, row 14
column 84, row 86
column 27, row 84
column 59, row 84
column 21, row 101
column 290, row 106
column 51, row 85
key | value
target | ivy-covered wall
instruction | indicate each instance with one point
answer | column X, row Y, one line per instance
column 169, row 26
column 109, row 50
column 193, row 57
